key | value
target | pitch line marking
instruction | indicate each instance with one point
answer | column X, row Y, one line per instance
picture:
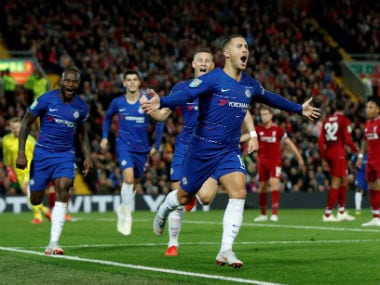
column 269, row 225
column 146, row 268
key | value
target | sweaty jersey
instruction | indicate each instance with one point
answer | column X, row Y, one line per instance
column 335, row 134
column 133, row 125
column 270, row 140
column 59, row 120
column 372, row 136
column 189, row 112
column 223, row 103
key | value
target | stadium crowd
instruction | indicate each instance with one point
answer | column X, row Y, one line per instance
column 157, row 38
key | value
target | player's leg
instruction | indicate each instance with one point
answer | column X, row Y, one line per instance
column 62, row 187
column 263, row 200
column 358, row 201
column 332, row 198
column 264, row 175
column 127, row 197
column 197, row 170
column 333, row 192
column 234, row 184
column 342, row 191
column 63, row 173
column 374, row 195
column 342, row 212
column 174, row 199
column 207, row 192
column 274, row 183
column 175, row 219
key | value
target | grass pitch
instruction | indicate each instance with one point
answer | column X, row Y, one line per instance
column 299, row 250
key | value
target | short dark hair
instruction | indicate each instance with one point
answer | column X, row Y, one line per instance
column 229, row 38
column 375, row 100
column 340, row 104
column 71, row 69
column 131, row 72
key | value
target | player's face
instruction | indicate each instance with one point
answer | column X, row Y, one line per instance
column 131, row 82
column 372, row 110
column 237, row 52
column 266, row 116
column 202, row 63
column 70, row 84
column 15, row 128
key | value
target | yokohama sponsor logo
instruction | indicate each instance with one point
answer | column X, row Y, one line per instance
column 238, row 105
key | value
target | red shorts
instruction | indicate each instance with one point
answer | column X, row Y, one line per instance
column 338, row 167
column 269, row 168
column 373, row 171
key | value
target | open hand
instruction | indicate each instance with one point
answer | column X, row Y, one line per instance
column 309, row 111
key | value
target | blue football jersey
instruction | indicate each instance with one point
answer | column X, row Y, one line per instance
column 189, row 112
column 59, row 120
column 133, row 125
column 223, row 103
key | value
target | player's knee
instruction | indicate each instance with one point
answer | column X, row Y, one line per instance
column 205, row 200
column 35, row 200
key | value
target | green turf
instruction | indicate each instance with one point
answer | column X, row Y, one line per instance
column 299, row 249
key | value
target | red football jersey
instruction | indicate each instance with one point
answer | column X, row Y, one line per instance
column 270, row 141
column 372, row 135
column 335, row 134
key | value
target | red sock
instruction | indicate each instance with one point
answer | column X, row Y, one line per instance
column 263, row 203
column 51, row 200
column 331, row 199
column 374, row 196
column 342, row 197
column 275, row 201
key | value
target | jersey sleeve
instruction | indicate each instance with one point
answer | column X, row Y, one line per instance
column 39, row 106
column 108, row 119
column 347, row 136
column 191, row 91
column 159, row 132
column 279, row 102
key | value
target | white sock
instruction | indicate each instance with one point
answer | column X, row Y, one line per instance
column 127, row 196
column 232, row 220
column 358, row 201
column 175, row 223
column 169, row 204
column 58, row 216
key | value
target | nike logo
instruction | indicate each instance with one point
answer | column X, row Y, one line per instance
column 122, row 110
column 224, row 90
column 53, row 110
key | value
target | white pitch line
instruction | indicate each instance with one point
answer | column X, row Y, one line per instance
column 151, row 244
column 146, row 268
column 269, row 225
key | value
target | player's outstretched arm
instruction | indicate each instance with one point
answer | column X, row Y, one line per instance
column 309, row 111
column 21, row 161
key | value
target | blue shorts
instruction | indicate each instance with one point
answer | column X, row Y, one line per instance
column 361, row 183
column 135, row 160
column 180, row 150
column 198, row 169
column 47, row 166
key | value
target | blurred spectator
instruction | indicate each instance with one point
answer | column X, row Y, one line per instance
column 288, row 55
column 36, row 85
column 9, row 88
